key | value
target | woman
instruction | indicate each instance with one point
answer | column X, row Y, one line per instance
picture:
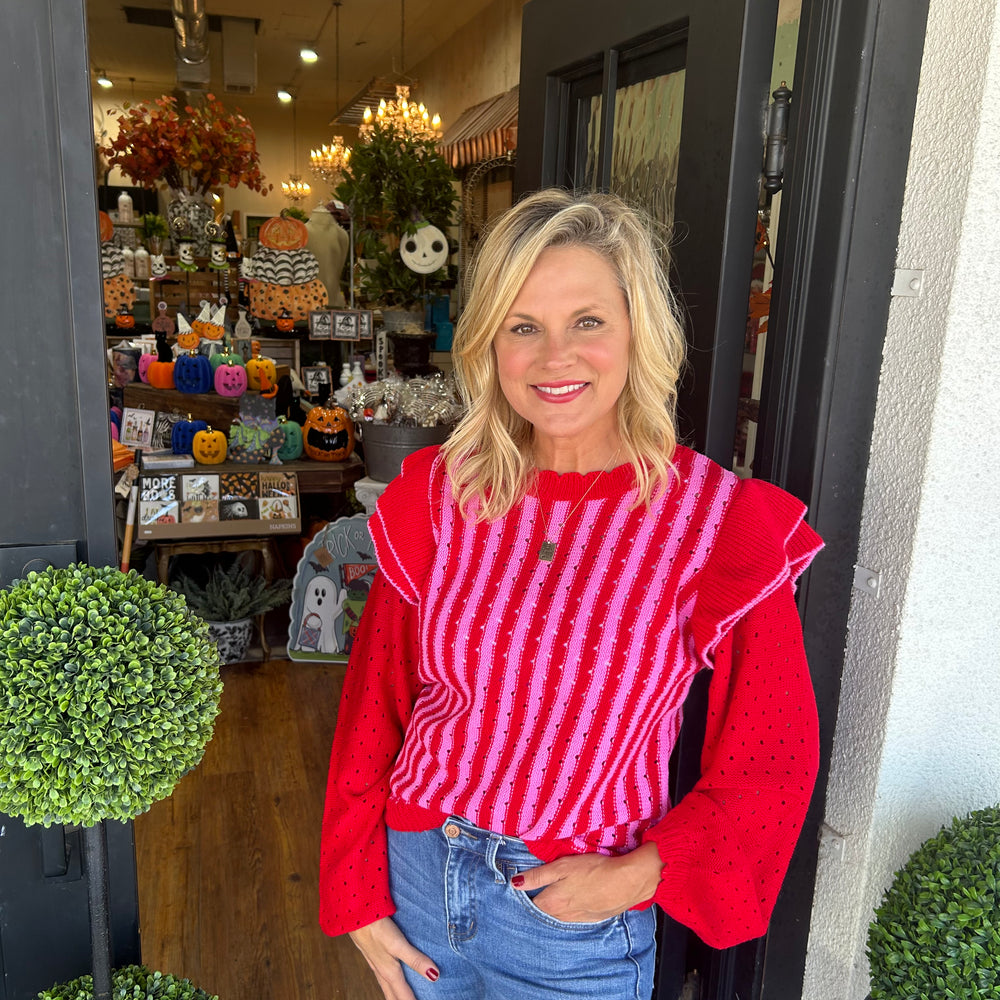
column 498, row 822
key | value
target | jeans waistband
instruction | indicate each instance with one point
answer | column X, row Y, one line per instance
column 462, row 834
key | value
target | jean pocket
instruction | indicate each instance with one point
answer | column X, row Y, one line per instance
column 525, row 898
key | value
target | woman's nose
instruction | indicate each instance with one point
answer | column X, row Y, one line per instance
column 557, row 349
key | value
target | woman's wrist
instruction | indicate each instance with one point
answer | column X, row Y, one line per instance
column 643, row 868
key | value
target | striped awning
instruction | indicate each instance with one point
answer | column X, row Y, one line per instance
column 482, row 132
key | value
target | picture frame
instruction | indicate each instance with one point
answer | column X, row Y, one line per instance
column 137, row 428
column 321, row 324
column 366, row 324
column 346, row 325
column 318, row 381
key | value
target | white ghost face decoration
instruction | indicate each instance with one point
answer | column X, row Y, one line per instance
column 185, row 252
column 157, row 265
column 424, row 251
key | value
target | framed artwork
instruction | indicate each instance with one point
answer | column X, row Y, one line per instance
column 365, row 324
column 346, row 324
column 318, row 381
column 137, row 428
column 321, row 324
column 331, row 586
column 254, row 222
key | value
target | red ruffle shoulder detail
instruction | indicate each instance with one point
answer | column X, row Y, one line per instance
column 406, row 524
column 763, row 542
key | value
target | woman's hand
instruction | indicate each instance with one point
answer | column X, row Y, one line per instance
column 591, row 887
column 384, row 947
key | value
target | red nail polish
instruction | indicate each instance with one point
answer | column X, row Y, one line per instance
column 432, row 975
column 517, row 881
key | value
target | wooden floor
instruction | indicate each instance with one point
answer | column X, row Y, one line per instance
column 228, row 865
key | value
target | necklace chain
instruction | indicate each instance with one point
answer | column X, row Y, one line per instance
column 547, row 550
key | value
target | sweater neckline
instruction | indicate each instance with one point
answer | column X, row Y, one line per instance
column 552, row 486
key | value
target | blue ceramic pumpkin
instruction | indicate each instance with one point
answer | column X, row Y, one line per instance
column 182, row 436
column 193, row 373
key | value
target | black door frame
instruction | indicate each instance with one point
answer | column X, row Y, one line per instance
column 856, row 75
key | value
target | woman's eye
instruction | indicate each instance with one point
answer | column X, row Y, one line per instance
column 522, row 329
column 590, row 322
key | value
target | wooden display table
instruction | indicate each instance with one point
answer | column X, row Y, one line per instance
column 314, row 477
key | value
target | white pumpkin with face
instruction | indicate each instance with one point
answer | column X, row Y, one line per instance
column 424, row 251
column 157, row 265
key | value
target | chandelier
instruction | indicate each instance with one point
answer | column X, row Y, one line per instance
column 402, row 115
column 295, row 189
column 328, row 162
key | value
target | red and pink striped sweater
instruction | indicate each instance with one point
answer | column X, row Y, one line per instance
column 543, row 699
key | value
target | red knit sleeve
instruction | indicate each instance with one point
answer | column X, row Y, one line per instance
column 727, row 844
column 405, row 525
column 380, row 687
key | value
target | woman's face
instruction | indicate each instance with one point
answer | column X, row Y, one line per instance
column 562, row 357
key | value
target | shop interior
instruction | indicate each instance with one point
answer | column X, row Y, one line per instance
column 286, row 359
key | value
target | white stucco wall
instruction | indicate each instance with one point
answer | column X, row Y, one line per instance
column 917, row 738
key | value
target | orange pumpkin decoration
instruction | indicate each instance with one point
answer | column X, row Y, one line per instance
column 260, row 370
column 124, row 320
column 328, row 434
column 209, row 447
column 107, row 226
column 285, row 322
column 189, row 340
column 161, row 374
column 283, row 233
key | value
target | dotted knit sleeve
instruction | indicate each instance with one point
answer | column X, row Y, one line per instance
column 380, row 687
column 727, row 844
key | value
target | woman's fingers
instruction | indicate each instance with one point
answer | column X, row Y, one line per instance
column 384, row 948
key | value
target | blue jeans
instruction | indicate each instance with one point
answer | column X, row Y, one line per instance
column 489, row 941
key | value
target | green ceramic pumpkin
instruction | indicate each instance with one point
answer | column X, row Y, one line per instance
column 292, row 448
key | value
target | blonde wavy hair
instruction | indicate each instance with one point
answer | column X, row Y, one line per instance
column 489, row 455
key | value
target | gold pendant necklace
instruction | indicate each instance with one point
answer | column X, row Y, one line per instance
column 547, row 550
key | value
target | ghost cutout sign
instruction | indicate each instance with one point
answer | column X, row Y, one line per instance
column 424, row 251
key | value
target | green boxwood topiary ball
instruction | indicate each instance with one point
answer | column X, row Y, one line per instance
column 109, row 689
column 134, row 982
column 937, row 933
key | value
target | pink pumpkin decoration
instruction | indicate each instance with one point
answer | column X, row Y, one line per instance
column 230, row 379
column 145, row 360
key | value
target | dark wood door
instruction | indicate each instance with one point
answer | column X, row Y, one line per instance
column 664, row 103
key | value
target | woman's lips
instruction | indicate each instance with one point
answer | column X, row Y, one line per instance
column 560, row 392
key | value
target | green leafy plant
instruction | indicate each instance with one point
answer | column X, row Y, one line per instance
column 109, row 689
column 154, row 227
column 936, row 933
column 232, row 593
column 295, row 212
column 134, row 982
column 392, row 182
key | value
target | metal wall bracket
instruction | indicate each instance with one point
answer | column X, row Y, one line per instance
column 868, row 581
column 908, row 282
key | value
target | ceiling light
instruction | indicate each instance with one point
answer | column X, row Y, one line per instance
column 284, row 96
column 103, row 80
column 308, row 55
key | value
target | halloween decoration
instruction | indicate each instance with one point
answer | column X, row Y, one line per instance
column 118, row 286
column 284, row 322
column 426, row 250
column 217, row 260
column 107, row 227
column 157, row 267
column 203, row 318
column 163, row 323
column 225, row 356
column 184, row 241
column 145, row 360
column 187, row 337
column 328, row 434
column 283, row 233
column 182, row 436
column 260, row 369
column 215, row 328
column 193, row 373
column 209, row 447
column 230, row 378
column 253, row 439
column 124, row 320
column 291, row 447
column 284, row 276
column 161, row 371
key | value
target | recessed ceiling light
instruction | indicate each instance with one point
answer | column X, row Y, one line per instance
column 308, row 55
column 284, row 96
column 103, row 80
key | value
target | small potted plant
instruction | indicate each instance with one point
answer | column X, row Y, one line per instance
column 936, row 933
column 229, row 600
column 109, row 690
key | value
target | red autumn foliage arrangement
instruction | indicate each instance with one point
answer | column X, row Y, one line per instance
column 191, row 149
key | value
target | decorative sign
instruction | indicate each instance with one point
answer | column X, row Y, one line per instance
column 331, row 586
column 195, row 504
